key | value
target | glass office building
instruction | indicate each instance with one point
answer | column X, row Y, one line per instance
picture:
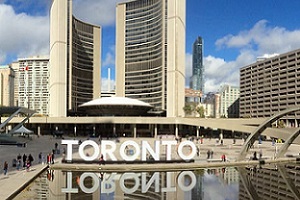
column 197, row 79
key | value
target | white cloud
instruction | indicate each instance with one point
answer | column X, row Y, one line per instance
column 21, row 34
column 109, row 59
column 259, row 40
column 107, row 85
column 263, row 38
column 101, row 12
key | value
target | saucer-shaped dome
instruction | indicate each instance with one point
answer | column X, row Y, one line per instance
column 116, row 106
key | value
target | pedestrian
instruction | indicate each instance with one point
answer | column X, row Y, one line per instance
column 211, row 154
column 24, row 160
column 198, row 151
column 254, row 156
column 5, row 167
column 30, row 159
column 52, row 157
column 49, row 158
column 28, row 165
column 223, row 157
column 19, row 158
column 101, row 159
column 40, row 157
column 208, row 154
column 273, row 142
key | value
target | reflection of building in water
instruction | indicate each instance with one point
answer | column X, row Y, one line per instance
column 41, row 187
column 66, row 185
column 271, row 183
column 229, row 175
column 197, row 191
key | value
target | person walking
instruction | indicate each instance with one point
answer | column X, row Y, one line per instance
column 5, row 167
column 24, row 160
column 52, row 157
column 19, row 158
column 223, row 157
column 30, row 159
column 208, row 154
column 40, row 157
column 254, row 156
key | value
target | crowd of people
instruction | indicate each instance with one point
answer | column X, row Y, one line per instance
column 24, row 162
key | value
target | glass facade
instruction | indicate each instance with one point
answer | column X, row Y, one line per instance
column 197, row 79
column 144, row 55
column 82, row 64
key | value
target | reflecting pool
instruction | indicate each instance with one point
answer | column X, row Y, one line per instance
column 252, row 182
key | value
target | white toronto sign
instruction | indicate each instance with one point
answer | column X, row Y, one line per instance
column 108, row 148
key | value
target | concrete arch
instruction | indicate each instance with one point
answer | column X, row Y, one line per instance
column 287, row 143
column 289, row 183
column 257, row 132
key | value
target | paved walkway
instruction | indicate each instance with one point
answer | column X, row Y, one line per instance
column 15, row 180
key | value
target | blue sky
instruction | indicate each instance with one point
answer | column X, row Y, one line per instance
column 235, row 32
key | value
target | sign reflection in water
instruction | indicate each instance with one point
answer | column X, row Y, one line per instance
column 268, row 182
column 141, row 182
column 185, row 185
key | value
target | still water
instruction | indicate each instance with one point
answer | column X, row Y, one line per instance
column 252, row 182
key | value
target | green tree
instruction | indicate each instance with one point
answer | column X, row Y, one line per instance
column 200, row 111
column 188, row 109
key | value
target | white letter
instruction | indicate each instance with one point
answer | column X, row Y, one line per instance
column 95, row 147
column 155, row 177
column 181, row 179
column 95, row 182
column 129, row 176
column 146, row 146
column 169, row 148
column 69, row 144
column 108, row 185
column 110, row 151
column 131, row 157
column 193, row 150
column 169, row 179
column 69, row 188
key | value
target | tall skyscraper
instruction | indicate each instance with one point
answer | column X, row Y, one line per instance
column 197, row 79
column 150, row 53
column 74, row 60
